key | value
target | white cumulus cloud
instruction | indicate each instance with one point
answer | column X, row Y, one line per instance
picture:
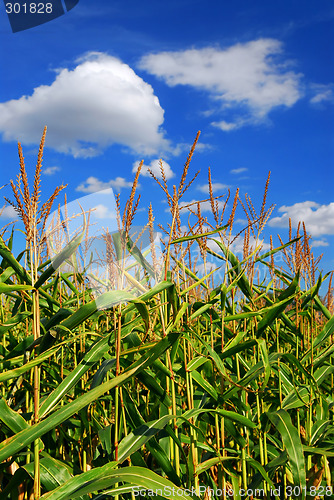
column 93, row 184
column 100, row 102
column 318, row 219
column 155, row 167
column 250, row 75
column 103, row 212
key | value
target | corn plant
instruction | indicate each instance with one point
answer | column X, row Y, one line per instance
column 220, row 383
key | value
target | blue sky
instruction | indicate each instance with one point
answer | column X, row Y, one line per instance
column 117, row 82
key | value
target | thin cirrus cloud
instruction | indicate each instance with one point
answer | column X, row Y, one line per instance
column 154, row 166
column 320, row 243
column 240, row 170
column 323, row 93
column 216, row 187
column 93, row 184
column 250, row 78
column 100, row 102
column 51, row 170
column 318, row 219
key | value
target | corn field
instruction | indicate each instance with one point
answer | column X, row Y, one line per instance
column 168, row 383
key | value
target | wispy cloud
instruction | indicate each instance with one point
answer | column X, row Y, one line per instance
column 93, row 184
column 51, row 170
column 320, row 243
column 323, row 93
column 8, row 212
column 228, row 126
column 248, row 78
column 318, row 219
column 205, row 206
column 100, row 102
column 216, row 187
column 238, row 170
column 184, row 147
column 155, row 167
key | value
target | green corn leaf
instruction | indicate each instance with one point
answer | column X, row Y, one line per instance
column 242, row 282
column 235, row 487
column 218, row 362
column 201, row 310
column 327, row 330
column 207, row 464
column 327, row 452
column 252, row 374
column 106, row 476
column 15, row 320
column 265, row 358
column 322, row 307
column 272, row 314
column 62, row 256
column 16, row 372
column 136, row 253
column 92, row 357
column 8, row 273
column 7, row 255
column 275, row 250
column 178, row 317
column 291, row 440
column 5, row 288
column 197, row 236
column 53, row 472
column 241, row 347
column 198, row 282
column 162, row 460
column 196, row 363
column 204, row 384
column 292, row 288
column 256, row 465
column 188, row 271
column 14, row 421
column 104, row 301
column 22, row 439
column 319, row 429
column 238, row 270
column 11, row 418
column 322, row 357
column 136, row 439
column 159, row 287
column 89, row 360
column 302, row 397
column 231, row 415
column 143, row 311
